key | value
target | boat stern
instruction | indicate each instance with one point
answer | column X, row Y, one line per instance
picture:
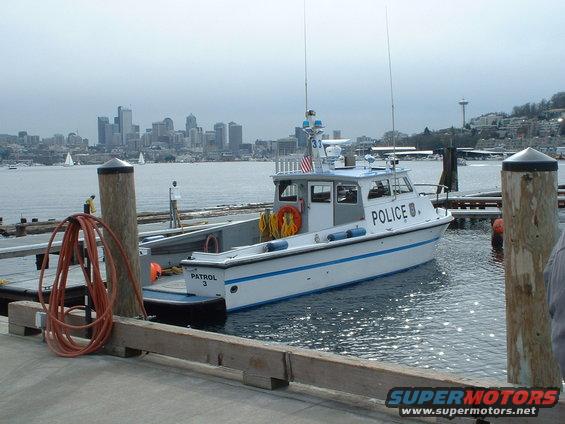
column 202, row 280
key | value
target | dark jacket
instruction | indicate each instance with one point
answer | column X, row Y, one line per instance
column 554, row 276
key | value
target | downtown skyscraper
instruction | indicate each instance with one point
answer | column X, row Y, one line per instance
column 235, row 137
column 221, row 138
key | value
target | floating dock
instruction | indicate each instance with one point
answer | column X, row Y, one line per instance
column 19, row 276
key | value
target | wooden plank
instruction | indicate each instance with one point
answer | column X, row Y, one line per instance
column 251, row 356
column 476, row 213
column 366, row 378
column 39, row 248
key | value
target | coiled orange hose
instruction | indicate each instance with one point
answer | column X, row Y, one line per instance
column 57, row 331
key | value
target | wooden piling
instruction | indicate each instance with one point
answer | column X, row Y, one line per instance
column 449, row 176
column 117, row 202
column 529, row 199
column 21, row 230
column 450, row 167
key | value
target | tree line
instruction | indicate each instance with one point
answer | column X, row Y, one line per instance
column 533, row 110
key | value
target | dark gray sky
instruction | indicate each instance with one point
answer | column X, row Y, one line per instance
column 63, row 63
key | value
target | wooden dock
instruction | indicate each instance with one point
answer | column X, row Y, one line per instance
column 19, row 274
column 37, row 243
column 41, row 227
column 154, row 388
column 272, row 366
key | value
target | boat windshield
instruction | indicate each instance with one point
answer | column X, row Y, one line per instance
column 287, row 191
column 402, row 185
column 380, row 188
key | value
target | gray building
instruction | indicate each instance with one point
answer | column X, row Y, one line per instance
column 196, row 136
column 301, row 136
column 102, row 122
column 286, row 146
column 190, row 123
column 111, row 135
column 221, row 131
column 336, row 134
column 158, row 129
column 209, row 141
column 124, row 121
column 169, row 125
column 235, row 137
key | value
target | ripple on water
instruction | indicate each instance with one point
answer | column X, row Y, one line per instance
column 446, row 315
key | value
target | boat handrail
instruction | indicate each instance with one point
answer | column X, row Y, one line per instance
column 287, row 165
column 445, row 189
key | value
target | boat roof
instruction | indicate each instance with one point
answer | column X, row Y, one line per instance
column 342, row 174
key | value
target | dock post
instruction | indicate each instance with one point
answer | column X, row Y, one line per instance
column 117, row 202
column 529, row 200
column 450, row 168
column 449, row 177
column 21, row 230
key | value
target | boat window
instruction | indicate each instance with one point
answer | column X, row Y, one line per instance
column 346, row 193
column 287, row 191
column 402, row 185
column 320, row 193
column 380, row 188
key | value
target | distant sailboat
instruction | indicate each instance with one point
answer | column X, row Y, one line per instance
column 69, row 160
column 141, row 159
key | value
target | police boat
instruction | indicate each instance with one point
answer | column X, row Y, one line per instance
column 329, row 227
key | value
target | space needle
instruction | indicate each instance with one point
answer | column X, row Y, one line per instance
column 463, row 103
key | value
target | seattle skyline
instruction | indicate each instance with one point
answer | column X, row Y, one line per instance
column 107, row 55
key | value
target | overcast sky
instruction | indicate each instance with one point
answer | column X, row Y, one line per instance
column 63, row 63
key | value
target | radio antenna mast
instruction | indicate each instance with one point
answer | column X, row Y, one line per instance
column 391, row 103
column 305, row 64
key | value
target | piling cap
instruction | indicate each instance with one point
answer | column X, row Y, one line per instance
column 529, row 160
column 115, row 166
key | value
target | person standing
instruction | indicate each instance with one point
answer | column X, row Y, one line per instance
column 89, row 205
column 174, row 197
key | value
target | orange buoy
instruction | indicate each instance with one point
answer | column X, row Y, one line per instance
column 498, row 226
column 156, row 271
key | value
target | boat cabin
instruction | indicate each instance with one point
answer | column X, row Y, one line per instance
column 377, row 195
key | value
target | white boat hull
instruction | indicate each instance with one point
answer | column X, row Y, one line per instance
column 255, row 281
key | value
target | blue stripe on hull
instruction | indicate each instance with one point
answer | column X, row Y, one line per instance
column 349, row 283
column 328, row 263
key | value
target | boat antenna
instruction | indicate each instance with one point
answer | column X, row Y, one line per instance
column 305, row 63
column 391, row 104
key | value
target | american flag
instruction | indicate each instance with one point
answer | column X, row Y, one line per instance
column 306, row 164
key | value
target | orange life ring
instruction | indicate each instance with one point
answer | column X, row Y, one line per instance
column 295, row 214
